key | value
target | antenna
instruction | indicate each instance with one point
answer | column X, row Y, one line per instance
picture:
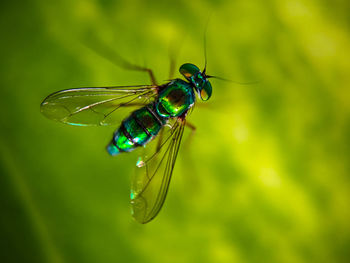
column 205, row 59
column 205, row 53
column 236, row 82
column 205, row 43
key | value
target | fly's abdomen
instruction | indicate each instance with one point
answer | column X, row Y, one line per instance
column 137, row 130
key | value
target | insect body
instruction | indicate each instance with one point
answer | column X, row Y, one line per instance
column 160, row 106
column 174, row 100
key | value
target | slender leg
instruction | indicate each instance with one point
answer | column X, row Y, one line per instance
column 130, row 66
column 190, row 136
column 175, row 47
column 108, row 53
column 191, row 126
column 172, row 67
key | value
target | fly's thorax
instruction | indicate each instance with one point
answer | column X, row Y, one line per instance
column 136, row 130
column 175, row 99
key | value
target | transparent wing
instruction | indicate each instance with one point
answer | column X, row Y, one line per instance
column 95, row 105
column 150, row 184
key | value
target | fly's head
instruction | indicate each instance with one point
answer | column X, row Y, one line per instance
column 199, row 80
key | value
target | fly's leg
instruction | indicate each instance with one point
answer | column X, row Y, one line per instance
column 111, row 55
column 192, row 127
column 130, row 66
column 173, row 53
column 190, row 136
column 172, row 67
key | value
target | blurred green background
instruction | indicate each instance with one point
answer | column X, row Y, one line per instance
column 264, row 179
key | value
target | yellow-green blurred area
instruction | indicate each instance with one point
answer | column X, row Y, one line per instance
column 265, row 177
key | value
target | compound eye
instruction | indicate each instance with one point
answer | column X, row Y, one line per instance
column 188, row 70
column 205, row 91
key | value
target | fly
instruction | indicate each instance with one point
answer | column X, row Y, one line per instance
column 160, row 117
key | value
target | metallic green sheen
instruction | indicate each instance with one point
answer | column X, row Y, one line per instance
column 205, row 91
column 149, row 121
column 175, row 99
column 136, row 132
column 188, row 70
column 122, row 142
column 112, row 149
column 197, row 79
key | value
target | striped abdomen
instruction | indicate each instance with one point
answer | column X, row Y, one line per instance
column 137, row 130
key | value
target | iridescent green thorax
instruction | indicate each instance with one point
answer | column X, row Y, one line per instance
column 136, row 130
column 175, row 99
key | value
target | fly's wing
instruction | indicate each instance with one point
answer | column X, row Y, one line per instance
column 96, row 105
column 150, row 184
